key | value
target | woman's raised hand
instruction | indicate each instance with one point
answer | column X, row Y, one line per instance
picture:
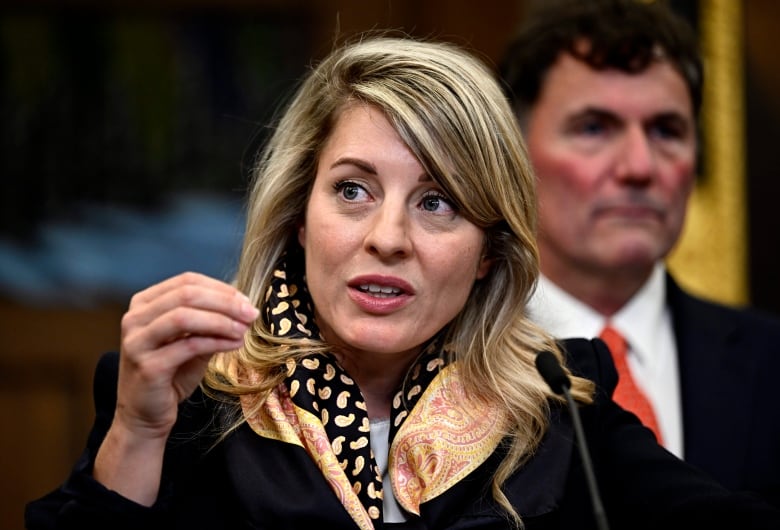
column 169, row 333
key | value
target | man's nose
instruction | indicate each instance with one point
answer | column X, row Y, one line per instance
column 636, row 161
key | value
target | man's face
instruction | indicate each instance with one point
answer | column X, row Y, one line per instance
column 615, row 156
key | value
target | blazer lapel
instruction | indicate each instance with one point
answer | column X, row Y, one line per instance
column 715, row 383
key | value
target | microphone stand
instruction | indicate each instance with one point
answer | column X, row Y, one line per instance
column 559, row 382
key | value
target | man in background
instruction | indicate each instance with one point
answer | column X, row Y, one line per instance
column 608, row 95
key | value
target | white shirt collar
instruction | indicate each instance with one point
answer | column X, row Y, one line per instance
column 645, row 322
column 561, row 314
column 641, row 318
column 638, row 321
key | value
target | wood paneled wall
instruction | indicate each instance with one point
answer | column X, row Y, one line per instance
column 47, row 358
column 48, row 355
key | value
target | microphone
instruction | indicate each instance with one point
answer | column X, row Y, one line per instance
column 552, row 373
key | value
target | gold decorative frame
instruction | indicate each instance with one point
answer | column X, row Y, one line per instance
column 711, row 257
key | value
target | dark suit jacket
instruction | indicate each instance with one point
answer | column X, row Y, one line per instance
column 729, row 363
column 247, row 481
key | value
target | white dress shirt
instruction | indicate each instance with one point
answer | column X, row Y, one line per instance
column 645, row 322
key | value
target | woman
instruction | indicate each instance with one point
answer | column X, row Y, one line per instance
column 389, row 378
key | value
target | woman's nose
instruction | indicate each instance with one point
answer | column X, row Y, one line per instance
column 388, row 232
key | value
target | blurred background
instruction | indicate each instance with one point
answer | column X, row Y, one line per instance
column 129, row 129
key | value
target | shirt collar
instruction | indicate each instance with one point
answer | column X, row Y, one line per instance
column 638, row 321
column 641, row 318
column 561, row 314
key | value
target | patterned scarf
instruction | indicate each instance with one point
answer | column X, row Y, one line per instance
column 320, row 407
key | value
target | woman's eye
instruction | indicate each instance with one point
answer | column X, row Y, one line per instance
column 436, row 203
column 350, row 190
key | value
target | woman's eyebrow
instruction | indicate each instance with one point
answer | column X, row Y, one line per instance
column 351, row 161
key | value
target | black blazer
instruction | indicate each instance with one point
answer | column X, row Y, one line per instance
column 729, row 363
column 247, row 481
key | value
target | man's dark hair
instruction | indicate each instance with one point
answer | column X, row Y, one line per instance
column 623, row 34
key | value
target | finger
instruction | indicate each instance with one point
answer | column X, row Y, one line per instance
column 192, row 289
column 168, row 360
column 183, row 323
column 180, row 280
column 229, row 302
column 193, row 354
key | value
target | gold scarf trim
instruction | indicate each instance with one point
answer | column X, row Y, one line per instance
column 441, row 441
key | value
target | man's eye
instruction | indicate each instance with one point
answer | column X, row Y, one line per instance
column 666, row 131
column 671, row 126
column 591, row 128
column 591, row 123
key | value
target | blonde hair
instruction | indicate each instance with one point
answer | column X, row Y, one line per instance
column 451, row 113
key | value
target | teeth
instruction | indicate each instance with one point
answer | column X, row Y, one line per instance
column 380, row 290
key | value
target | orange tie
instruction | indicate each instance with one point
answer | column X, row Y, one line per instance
column 627, row 394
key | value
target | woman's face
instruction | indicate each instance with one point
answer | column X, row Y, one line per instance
column 389, row 261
